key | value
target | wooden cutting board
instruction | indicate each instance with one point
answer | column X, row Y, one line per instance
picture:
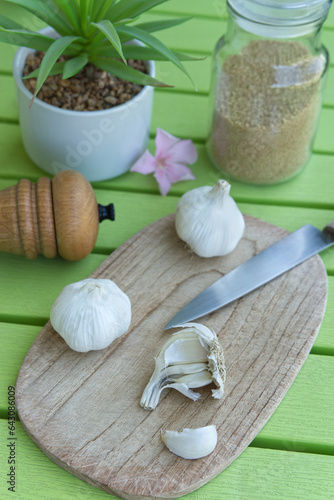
column 83, row 410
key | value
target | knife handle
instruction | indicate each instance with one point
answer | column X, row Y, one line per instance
column 329, row 230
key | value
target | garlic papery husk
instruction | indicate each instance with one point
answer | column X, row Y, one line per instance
column 190, row 359
column 191, row 443
column 90, row 314
column 209, row 221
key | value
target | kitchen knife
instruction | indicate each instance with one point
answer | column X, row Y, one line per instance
column 260, row 269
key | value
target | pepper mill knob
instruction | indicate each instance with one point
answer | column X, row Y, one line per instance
column 52, row 217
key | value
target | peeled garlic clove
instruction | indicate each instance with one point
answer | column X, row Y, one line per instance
column 191, row 443
column 209, row 221
column 190, row 359
column 90, row 314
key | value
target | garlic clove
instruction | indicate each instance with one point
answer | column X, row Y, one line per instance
column 184, row 349
column 191, row 443
column 196, row 380
column 190, row 359
column 90, row 314
column 209, row 221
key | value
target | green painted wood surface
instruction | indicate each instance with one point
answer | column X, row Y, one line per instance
column 292, row 456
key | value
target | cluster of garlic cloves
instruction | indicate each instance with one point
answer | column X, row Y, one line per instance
column 90, row 314
column 209, row 221
column 190, row 359
column 191, row 443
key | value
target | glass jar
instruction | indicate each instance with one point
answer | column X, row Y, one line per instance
column 267, row 83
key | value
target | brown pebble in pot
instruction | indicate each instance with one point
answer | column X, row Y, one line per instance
column 91, row 89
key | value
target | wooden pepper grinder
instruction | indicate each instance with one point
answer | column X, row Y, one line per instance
column 52, row 217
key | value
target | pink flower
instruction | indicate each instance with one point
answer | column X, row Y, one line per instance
column 170, row 160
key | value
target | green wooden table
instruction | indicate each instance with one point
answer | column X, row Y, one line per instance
column 293, row 455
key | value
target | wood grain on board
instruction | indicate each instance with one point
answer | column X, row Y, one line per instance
column 83, row 409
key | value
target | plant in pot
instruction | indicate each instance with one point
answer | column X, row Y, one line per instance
column 92, row 53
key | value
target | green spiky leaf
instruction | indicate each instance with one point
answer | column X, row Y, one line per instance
column 164, row 24
column 41, row 10
column 57, row 69
column 110, row 32
column 126, row 72
column 74, row 65
column 9, row 24
column 51, row 56
column 143, row 53
column 25, row 38
column 86, row 7
column 105, row 6
column 97, row 6
column 153, row 42
column 69, row 10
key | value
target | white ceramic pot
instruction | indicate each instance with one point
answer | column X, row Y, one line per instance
column 99, row 144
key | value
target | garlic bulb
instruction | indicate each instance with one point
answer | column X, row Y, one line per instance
column 190, row 359
column 90, row 314
column 209, row 221
column 191, row 443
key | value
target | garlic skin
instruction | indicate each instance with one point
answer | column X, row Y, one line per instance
column 209, row 221
column 191, row 443
column 191, row 358
column 90, row 314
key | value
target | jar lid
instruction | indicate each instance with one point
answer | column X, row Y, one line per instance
column 281, row 13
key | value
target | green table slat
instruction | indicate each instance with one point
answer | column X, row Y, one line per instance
column 324, row 140
column 200, row 71
column 324, row 343
column 297, row 424
column 15, row 162
column 329, row 23
column 7, row 53
column 213, row 8
column 8, row 102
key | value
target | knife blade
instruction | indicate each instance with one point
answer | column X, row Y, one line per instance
column 257, row 271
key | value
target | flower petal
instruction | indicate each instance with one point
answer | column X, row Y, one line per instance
column 183, row 152
column 175, row 149
column 164, row 141
column 146, row 164
column 163, row 181
column 178, row 172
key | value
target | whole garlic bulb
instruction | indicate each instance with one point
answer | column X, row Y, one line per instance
column 90, row 314
column 209, row 221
